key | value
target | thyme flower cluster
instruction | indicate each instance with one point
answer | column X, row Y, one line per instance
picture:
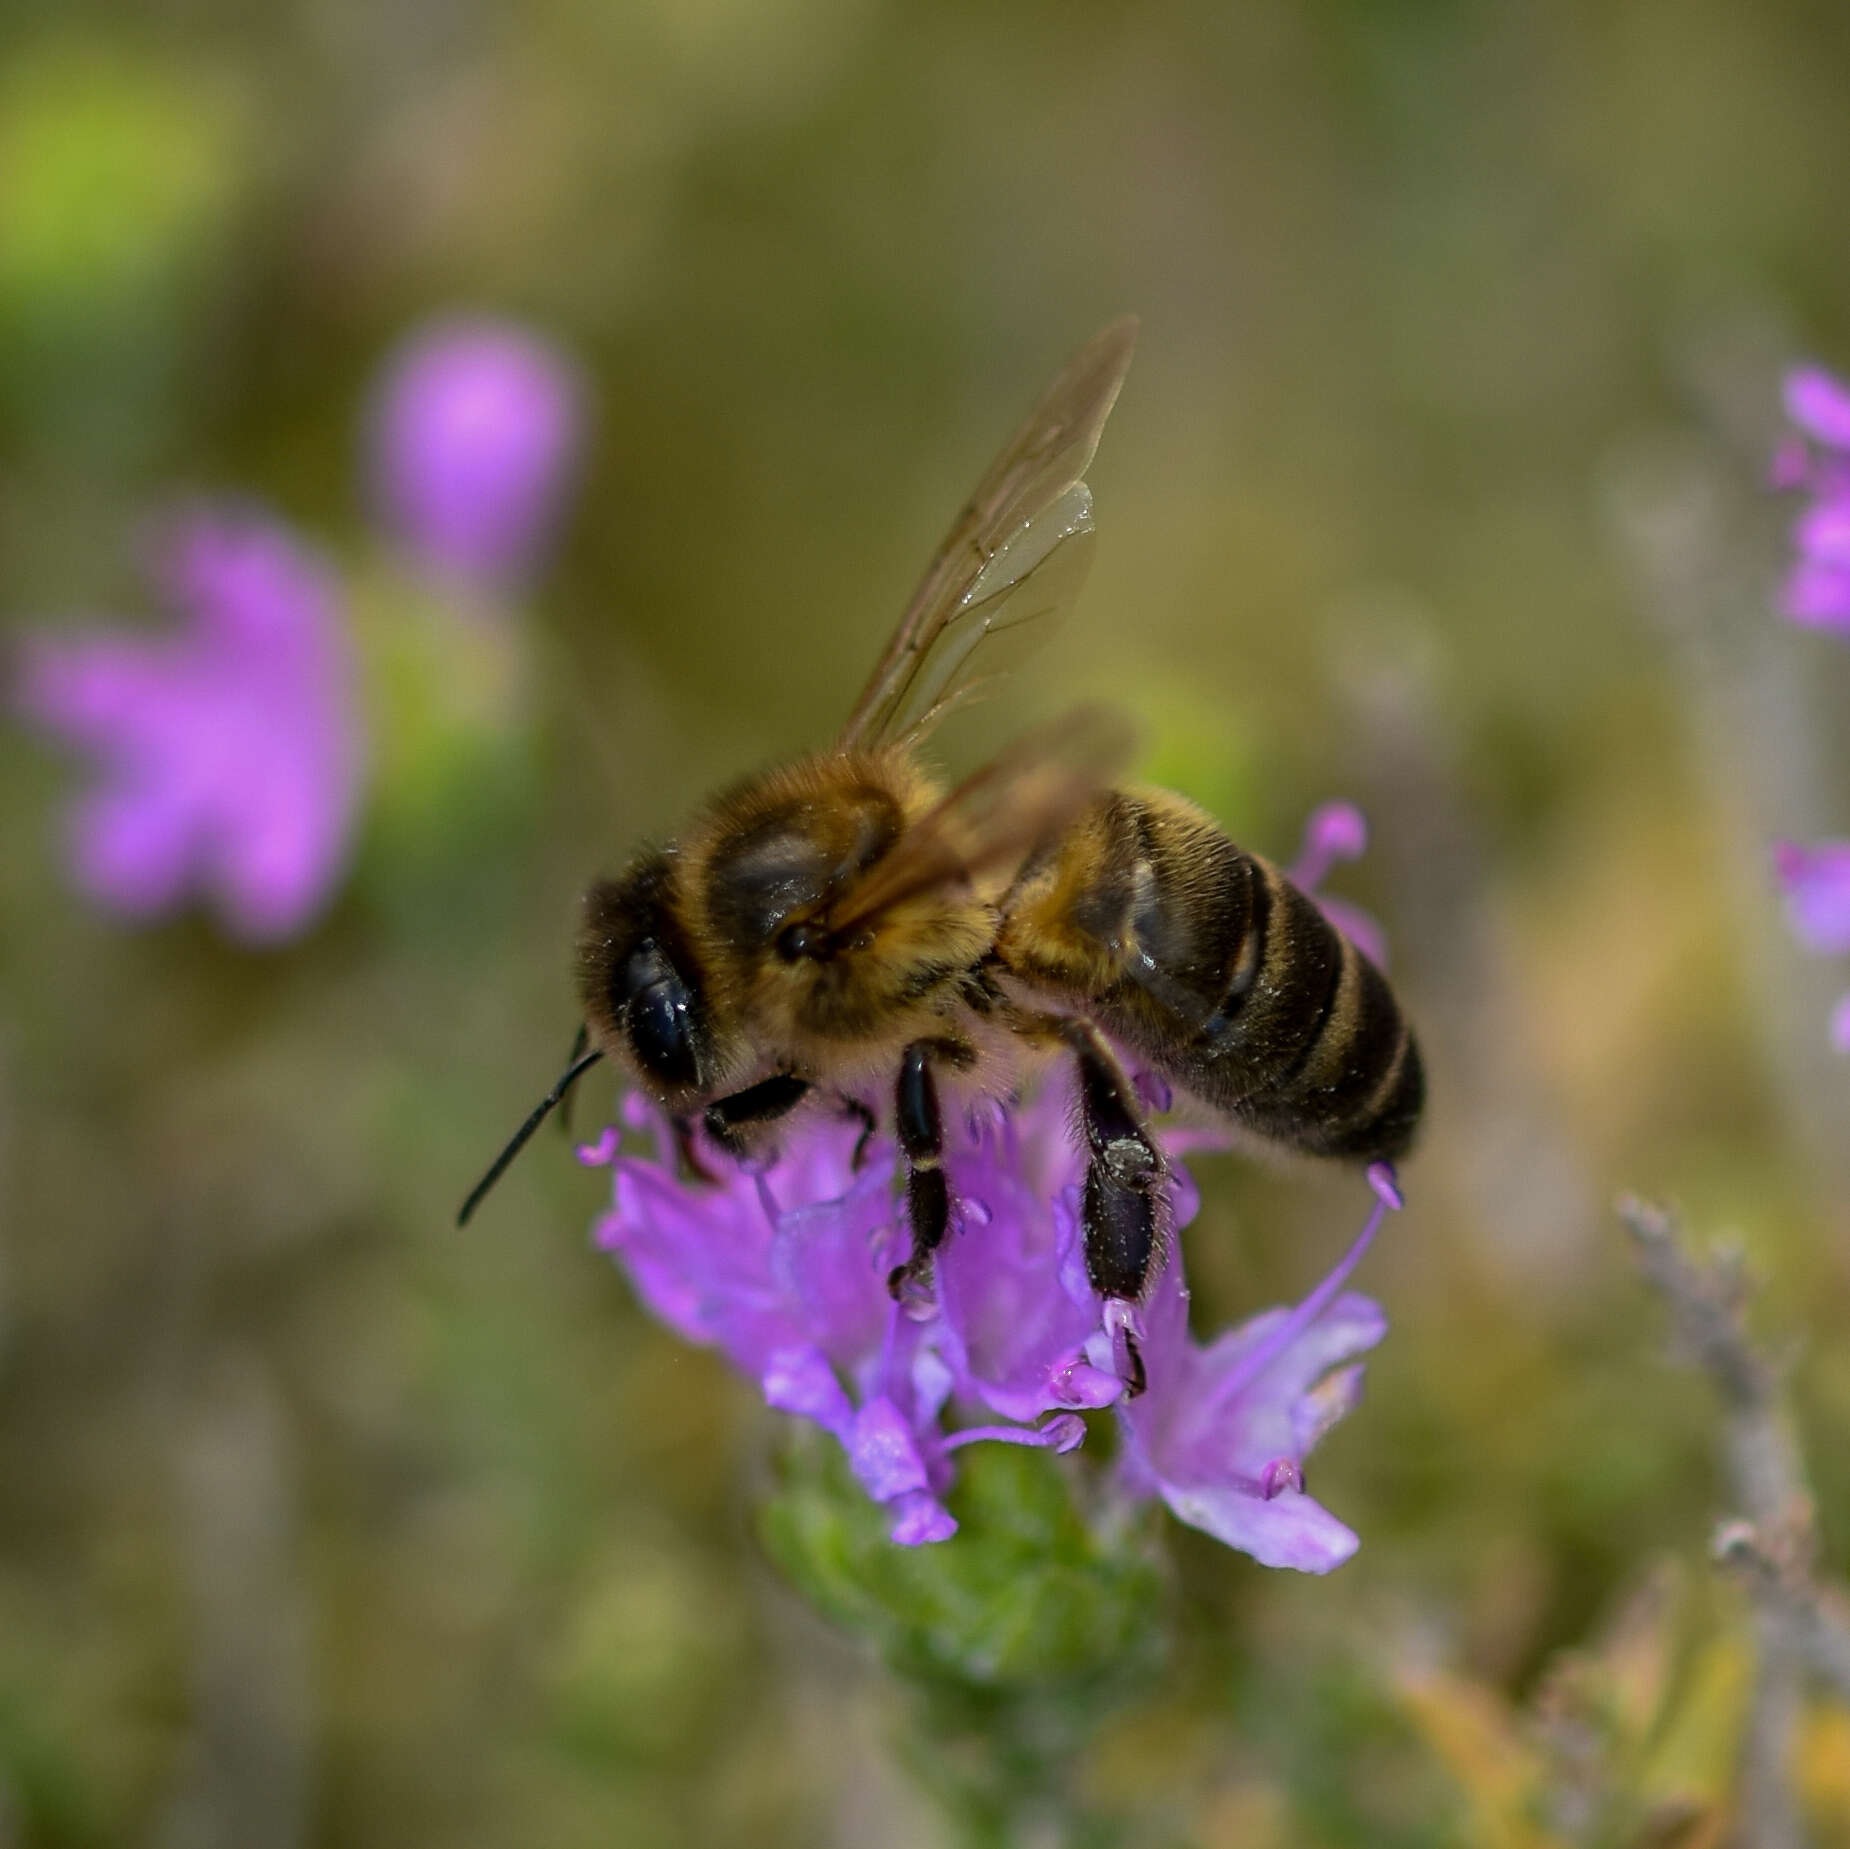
column 782, row 1268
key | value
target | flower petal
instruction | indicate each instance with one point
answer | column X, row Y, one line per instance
column 1819, row 405
column 1817, row 594
column 1288, row 1530
column 475, row 436
column 883, row 1452
column 1361, row 928
column 800, row 1381
column 93, row 690
column 603, row 1152
column 1223, row 1425
column 1336, row 831
column 1791, row 465
column 1012, row 1293
column 819, row 1258
column 1817, row 887
column 921, row 1519
column 699, row 1261
column 1333, row 1398
column 1076, row 1382
column 1822, row 532
column 134, row 849
column 229, row 749
column 1350, row 1326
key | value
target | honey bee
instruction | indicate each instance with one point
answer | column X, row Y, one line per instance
column 843, row 929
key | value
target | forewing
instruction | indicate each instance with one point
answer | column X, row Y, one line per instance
column 1012, row 562
column 996, row 816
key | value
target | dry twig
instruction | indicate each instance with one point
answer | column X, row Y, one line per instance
column 1773, row 1544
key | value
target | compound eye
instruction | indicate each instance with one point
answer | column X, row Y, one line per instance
column 660, row 1017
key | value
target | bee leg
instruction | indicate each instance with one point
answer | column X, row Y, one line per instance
column 862, row 1113
column 1113, row 1121
column 762, row 1103
column 921, row 1136
column 1121, row 1236
column 1124, row 1185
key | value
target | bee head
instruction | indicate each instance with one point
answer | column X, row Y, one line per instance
column 640, row 984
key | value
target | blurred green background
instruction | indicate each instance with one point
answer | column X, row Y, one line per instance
column 1438, row 484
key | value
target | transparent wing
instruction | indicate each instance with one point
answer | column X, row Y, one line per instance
column 998, row 815
column 1010, row 565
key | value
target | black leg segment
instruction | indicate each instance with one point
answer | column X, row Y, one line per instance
column 915, row 1106
column 870, row 1124
column 1113, row 1121
column 1126, row 1191
column 920, row 1123
column 762, row 1103
column 1121, row 1235
column 1125, row 1183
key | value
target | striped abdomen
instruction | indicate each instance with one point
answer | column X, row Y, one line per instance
column 1215, row 969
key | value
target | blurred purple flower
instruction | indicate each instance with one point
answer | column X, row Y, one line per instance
column 1817, row 887
column 1820, row 406
column 1334, row 833
column 475, row 434
column 230, row 752
column 1817, row 589
column 1817, row 883
column 784, row 1269
column 1817, row 593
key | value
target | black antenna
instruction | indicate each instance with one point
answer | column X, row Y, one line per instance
column 580, row 1041
column 581, row 1064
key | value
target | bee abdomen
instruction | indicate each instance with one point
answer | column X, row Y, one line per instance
column 1220, row 974
column 1306, row 1043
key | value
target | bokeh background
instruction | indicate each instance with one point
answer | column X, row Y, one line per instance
column 1439, row 484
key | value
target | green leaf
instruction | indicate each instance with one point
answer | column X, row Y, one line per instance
column 1025, row 1595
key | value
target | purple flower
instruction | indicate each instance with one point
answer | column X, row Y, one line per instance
column 1817, row 887
column 1334, row 833
column 1820, row 406
column 1817, row 884
column 783, row 1268
column 1817, row 594
column 1222, row 1432
column 229, row 753
column 1017, row 1306
column 475, row 433
column 1817, row 588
